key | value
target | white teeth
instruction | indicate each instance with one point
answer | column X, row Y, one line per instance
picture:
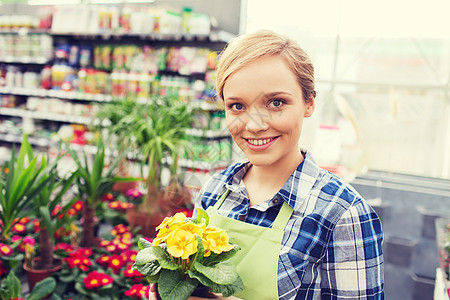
column 259, row 142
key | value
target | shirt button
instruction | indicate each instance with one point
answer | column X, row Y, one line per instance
column 276, row 201
column 242, row 218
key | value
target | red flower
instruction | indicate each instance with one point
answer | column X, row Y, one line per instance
column 129, row 255
column 85, row 252
column 108, row 197
column 19, row 228
column 5, row 250
column 134, row 193
column 16, row 238
column 134, row 275
column 111, row 248
column 26, row 240
column 126, row 205
column 63, row 246
column 72, row 211
column 78, row 205
column 116, row 263
column 119, row 229
column 79, row 259
column 138, row 291
column 114, row 205
column 103, row 259
column 58, row 208
column 96, row 279
column 37, row 225
column 24, row 221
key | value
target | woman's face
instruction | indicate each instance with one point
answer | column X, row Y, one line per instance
column 264, row 109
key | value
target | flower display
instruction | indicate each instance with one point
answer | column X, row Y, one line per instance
column 186, row 253
column 97, row 279
column 138, row 291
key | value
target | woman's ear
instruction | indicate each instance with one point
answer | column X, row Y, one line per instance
column 309, row 107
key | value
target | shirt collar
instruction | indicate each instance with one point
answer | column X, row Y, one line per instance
column 298, row 186
column 294, row 191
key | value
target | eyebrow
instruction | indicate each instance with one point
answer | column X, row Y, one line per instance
column 266, row 95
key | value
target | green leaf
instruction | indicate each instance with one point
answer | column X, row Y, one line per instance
column 201, row 214
column 173, row 286
column 143, row 243
column 42, row 289
column 216, row 258
column 201, row 249
column 12, row 284
column 67, row 278
column 152, row 279
column 200, row 277
column 229, row 289
column 164, row 259
column 221, row 273
column 225, row 289
column 146, row 255
column 151, row 268
column 46, row 220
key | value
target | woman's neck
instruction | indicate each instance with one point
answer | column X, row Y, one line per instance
column 263, row 182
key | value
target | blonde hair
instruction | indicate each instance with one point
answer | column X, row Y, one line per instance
column 247, row 48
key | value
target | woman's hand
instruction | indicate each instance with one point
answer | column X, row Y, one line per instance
column 218, row 296
column 152, row 294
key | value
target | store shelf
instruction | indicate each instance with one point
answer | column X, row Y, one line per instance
column 44, row 142
column 24, row 60
column 69, row 95
column 208, row 133
column 23, row 113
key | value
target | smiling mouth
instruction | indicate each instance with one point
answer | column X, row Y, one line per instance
column 259, row 142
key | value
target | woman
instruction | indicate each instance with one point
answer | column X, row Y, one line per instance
column 304, row 233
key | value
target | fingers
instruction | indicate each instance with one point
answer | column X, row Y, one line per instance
column 152, row 295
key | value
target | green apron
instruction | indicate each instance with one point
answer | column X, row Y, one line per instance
column 257, row 261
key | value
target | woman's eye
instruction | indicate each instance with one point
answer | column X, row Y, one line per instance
column 237, row 106
column 276, row 103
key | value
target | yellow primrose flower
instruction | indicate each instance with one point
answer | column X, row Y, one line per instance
column 181, row 243
column 164, row 228
column 178, row 217
column 194, row 228
column 218, row 240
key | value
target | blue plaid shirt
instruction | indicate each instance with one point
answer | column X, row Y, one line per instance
column 331, row 248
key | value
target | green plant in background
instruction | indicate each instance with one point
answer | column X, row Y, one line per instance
column 93, row 179
column 11, row 288
column 154, row 131
column 24, row 182
column 45, row 203
column 115, row 121
column 160, row 130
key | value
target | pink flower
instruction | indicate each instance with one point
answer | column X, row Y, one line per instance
column 134, row 193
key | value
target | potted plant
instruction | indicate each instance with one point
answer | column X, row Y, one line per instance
column 51, row 196
column 114, row 121
column 188, row 257
column 93, row 181
column 25, row 180
column 159, row 131
column 10, row 288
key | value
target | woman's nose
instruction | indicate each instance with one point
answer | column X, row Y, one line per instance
column 256, row 120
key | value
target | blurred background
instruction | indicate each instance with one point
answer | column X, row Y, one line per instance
column 382, row 119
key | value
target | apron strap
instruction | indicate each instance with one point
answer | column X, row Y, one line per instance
column 221, row 199
column 280, row 221
column 283, row 217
